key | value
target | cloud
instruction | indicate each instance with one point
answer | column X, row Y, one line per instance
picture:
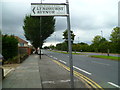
column 12, row 18
column 119, row 14
column 61, row 23
column 93, row 14
column 88, row 18
column 56, row 36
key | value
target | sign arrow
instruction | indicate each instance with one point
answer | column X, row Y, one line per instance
column 33, row 10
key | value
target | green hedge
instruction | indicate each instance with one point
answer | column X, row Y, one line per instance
column 9, row 46
column 17, row 59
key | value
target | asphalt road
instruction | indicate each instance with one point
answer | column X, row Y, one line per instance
column 102, row 71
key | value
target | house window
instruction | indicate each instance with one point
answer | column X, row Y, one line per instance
column 21, row 44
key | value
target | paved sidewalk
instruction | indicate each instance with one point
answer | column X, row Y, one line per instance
column 26, row 75
column 36, row 73
column 55, row 76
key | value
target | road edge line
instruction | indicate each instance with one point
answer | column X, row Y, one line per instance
column 67, row 68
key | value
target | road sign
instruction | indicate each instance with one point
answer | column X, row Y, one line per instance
column 42, row 9
column 45, row 9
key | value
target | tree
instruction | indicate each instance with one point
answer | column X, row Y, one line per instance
column 97, row 43
column 82, row 43
column 62, row 46
column 32, row 29
column 65, row 35
column 115, row 35
column 52, row 47
column 103, row 47
column 115, row 39
column 46, row 47
column 76, row 47
column 96, row 39
column 58, row 46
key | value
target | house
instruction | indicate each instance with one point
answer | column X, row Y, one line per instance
column 23, row 46
column 22, row 43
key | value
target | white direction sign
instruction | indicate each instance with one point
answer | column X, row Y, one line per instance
column 38, row 9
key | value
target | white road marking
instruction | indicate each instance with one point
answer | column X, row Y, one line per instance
column 53, row 82
column 114, row 84
column 64, row 80
column 8, row 71
column 54, row 57
column 82, row 70
column 51, row 56
column 62, row 61
column 36, row 56
column 100, row 63
column 50, row 82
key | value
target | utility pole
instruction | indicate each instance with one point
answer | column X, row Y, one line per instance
column 70, row 46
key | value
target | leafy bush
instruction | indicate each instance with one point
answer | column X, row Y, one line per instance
column 9, row 47
column 17, row 59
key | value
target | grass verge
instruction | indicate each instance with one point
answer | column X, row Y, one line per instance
column 106, row 57
column 96, row 56
column 68, row 53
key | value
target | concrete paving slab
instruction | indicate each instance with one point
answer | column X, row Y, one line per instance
column 55, row 76
column 26, row 75
column 40, row 73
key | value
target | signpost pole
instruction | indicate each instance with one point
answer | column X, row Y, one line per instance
column 40, row 32
column 40, row 35
column 55, row 10
column 70, row 46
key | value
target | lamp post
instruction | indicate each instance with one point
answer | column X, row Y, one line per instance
column 70, row 46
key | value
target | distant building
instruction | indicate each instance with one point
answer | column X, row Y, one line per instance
column 22, row 43
column 23, row 46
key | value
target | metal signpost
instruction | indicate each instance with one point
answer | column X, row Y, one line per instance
column 70, row 46
column 56, row 9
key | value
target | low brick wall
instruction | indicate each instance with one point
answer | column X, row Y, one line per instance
column 24, row 50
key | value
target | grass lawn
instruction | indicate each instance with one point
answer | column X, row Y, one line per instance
column 106, row 57
column 96, row 56
column 68, row 53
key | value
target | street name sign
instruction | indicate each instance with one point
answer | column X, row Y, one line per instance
column 46, row 9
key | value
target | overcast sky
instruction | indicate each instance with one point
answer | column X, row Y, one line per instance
column 88, row 18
